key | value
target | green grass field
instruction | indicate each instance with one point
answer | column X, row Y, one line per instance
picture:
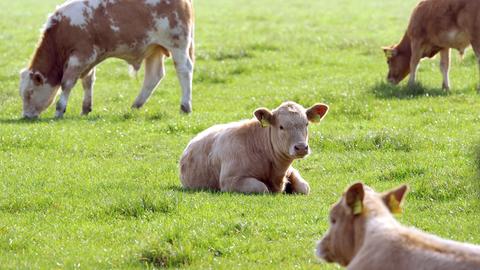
column 103, row 192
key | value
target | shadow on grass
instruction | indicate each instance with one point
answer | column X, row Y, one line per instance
column 40, row 120
column 388, row 91
column 22, row 121
column 288, row 191
column 114, row 118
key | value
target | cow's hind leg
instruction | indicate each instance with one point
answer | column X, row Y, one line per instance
column 476, row 49
column 243, row 185
column 154, row 73
column 445, row 67
column 184, row 66
column 87, row 82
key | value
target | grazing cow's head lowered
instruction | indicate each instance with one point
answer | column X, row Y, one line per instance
column 37, row 94
column 398, row 63
column 348, row 220
column 289, row 127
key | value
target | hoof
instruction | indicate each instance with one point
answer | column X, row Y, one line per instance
column 86, row 111
column 136, row 106
column 186, row 108
column 59, row 115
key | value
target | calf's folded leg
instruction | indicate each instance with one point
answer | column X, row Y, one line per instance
column 298, row 184
column 243, row 185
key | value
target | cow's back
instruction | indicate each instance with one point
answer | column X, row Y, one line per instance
column 202, row 160
column 446, row 23
column 126, row 29
column 198, row 168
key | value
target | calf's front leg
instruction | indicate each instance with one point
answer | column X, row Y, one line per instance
column 298, row 184
column 242, row 185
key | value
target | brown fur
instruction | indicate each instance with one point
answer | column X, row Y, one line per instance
column 246, row 157
column 369, row 237
column 61, row 39
column 126, row 29
column 435, row 25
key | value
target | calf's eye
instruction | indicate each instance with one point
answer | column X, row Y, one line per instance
column 281, row 127
column 333, row 221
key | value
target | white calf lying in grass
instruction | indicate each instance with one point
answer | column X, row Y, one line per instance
column 252, row 156
column 364, row 235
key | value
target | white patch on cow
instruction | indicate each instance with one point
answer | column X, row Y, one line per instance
column 75, row 11
column 52, row 19
column 162, row 23
column 73, row 61
column 452, row 34
column 115, row 28
column 93, row 57
column 95, row 3
column 153, row 2
column 25, row 80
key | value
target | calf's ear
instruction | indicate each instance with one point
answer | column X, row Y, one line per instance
column 389, row 52
column 264, row 116
column 354, row 198
column 394, row 198
column 37, row 78
column 317, row 112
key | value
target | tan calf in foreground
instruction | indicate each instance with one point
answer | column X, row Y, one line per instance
column 83, row 33
column 364, row 235
column 435, row 26
column 252, row 156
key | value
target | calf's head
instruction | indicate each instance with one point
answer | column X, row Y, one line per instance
column 289, row 127
column 37, row 94
column 348, row 219
column 398, row 63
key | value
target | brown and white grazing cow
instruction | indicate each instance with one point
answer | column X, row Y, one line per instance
column 83, row 33
column 252, row 156
column 364, row 235
column 435, row 26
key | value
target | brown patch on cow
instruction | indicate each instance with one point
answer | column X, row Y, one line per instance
column 62, row 40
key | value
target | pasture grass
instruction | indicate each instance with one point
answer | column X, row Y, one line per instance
column 103, row 192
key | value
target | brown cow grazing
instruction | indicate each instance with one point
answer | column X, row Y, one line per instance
column 252, row 156
column 364, row 235
column 83, row 33
column 435, row 26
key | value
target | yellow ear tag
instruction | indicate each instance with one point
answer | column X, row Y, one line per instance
column 394, row 205
column 357, row 207
column 264, row 123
